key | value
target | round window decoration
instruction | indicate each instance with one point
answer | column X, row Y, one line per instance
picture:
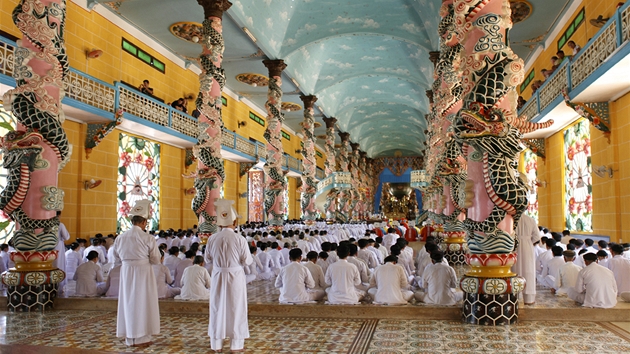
column 521, row 10
column 187, row 31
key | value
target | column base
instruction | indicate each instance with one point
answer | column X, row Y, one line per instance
column 30, row 291
column 491, row 301
column 490, row 310
column 31, row 298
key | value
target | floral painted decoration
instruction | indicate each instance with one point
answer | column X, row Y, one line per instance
column 578, row 179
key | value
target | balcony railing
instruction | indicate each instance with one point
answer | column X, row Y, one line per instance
column 571, row 74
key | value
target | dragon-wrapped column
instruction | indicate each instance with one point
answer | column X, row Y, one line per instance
column 343, row 207
column 330, row 207
column 488, row 125
column 210, row 173
column 276, row 180
column 34, row 153
column 355, row 199
column 309, row 184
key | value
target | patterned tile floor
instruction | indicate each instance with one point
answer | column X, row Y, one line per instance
column 63, row 331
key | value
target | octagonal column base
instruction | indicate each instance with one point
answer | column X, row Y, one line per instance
column 455, row 253
column 491, row 301
column 30, row 291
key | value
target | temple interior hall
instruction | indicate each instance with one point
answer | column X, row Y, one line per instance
column 459, row 121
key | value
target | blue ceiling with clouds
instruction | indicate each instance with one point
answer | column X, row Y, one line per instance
column 367, row 61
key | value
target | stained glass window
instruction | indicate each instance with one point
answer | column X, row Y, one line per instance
column 138, row 178
column 531, row 170
column 285, row 196
column 578, row 180
column 7, row 124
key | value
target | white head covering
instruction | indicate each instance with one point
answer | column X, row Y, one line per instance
column 225, row 212
column 141, row 208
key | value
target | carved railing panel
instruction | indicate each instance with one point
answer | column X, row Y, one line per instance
column 89, row 91
column 184, row 124
column 553, row 87
column 7, row 51
column 531, row 108
column 594, row 55
column 245, row 146
column 143, row 107
column 625, row 24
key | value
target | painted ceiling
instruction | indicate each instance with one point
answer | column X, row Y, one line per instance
column 367, row 61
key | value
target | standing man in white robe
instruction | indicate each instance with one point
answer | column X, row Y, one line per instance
column 138, row 310
column 595, row 286
column 228, row 252
column 60, row 262
column 528, row 234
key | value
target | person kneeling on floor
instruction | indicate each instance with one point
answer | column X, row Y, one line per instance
column 439, row 282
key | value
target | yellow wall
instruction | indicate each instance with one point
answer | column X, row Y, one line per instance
column 592, row 9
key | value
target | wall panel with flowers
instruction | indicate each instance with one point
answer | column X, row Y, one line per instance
column 138, row 178
column 7, row 123
column 531, row 172
column 578, row 179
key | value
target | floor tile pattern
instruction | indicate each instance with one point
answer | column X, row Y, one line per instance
column 95, row 331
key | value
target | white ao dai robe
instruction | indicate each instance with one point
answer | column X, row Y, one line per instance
column 294, row 282
column 595, row 287
column 195, row 283
column 389, row 285
column 343, row 277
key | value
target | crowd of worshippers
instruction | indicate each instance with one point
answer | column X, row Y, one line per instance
column 327, row 263
column 555, row 62
column 592, row 274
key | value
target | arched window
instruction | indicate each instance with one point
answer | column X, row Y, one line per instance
column 7, row 123
column 578, row 180
column 531, row 172
column 138, row 178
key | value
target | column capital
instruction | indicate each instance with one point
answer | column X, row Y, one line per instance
column 330, row 122
column 355, row 147
column 275, row 67
column 434, row 56
column 344, row 136
column 308, row 101
column 214, row 8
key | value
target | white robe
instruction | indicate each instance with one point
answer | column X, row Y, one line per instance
column 389, row 240
column 528, row 234
column 343, row 277
column 318, row 275
column 113, row 282
column 195, row 283
column 60, row 262
column 551, row 271
column 364, row 272
column 368, row 257
column 620, row 267
column 163, row 280
column 595, row 287
column 440, row 282
column 101, row 257
column 228, row 252
column 295, row 283
column 567, row 277
column 73, row 261
column 138, row 309
column 389, row 285
column 179, row 271
column 89, row 280
column 171, row 262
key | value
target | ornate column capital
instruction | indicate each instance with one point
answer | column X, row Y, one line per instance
column 355, row 147
column 308, row 101
column 214, row 8
column 330, row 122
column 434, row 56
column 275, row 67
column 344, row 136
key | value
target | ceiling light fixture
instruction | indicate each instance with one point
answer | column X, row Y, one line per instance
column 249, row 34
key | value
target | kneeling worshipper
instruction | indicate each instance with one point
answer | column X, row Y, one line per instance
column 439, row 282
column 138, row 309
column 89, row 277
column 567, row 275
column 251, row 270
column 551, row 268
column 195, row 282
column 595, row 286
column 228, row 252
column 296, row 283
column 389, row 284
column 163, row 280
column 113, row 282
column 620, row 267
column 316, row 271
column 343, row 278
